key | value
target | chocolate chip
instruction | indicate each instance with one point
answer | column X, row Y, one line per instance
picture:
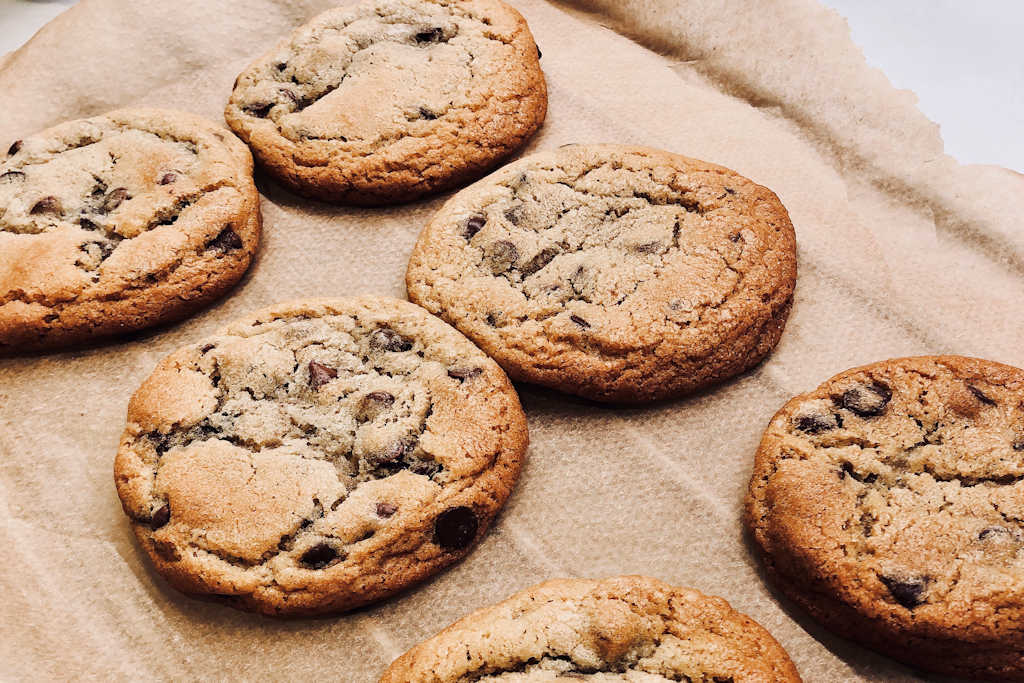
column 46, row 205
column 735, row 237
column 206, row 348
column 114, row 199
column 492, row 320
column 501, row 255
column 258, row 109
column 386, row 339
column 579, row 321
column 290, row 94
column 427, row 114
column 993, row 531
column 386, row 509
column 381, row 398
column 87, row 224
column 320, row 374
column 474, row 225
column 455, row 528
column 11, row 176
column 908, row 591
column 168, row 178
column 14, row 148
column 1018, row 444
column 430, row 36
column 281, row 66
column 980, row 395
column 160, row 517
column 866, row 400
column 539, row 55
column 226, row 240
column 815, row 422
column 319, row 556
column 462, row 374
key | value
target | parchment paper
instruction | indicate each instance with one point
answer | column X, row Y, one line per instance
column 902, row 251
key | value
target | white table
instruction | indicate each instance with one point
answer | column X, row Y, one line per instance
column 961, row 58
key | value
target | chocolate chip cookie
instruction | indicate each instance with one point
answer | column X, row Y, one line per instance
column 119, row 222
column 889, row 502
column 318, row 455
column 392, row 99
column 628, row 628
column 618, row 273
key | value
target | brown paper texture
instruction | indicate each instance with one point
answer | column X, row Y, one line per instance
column 902, row 251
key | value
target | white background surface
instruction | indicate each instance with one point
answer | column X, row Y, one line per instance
column 961, row 58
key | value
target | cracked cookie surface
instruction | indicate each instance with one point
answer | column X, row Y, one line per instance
column 119, row 222
column 392, row 100
column 318, row 455
column 889, row 502
column 616, row 273
column 628, row 628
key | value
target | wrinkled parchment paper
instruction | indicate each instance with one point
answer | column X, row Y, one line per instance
column 902, row 251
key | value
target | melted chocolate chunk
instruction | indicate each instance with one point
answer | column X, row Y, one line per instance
column 380, row 398
column 161, row 517
column 14, row 148
column 226, row 240
column 462, row 374
column 539, row 261
column 46, row 205
column 994, row 532
column 433, row 35
column 455, row 528
column 980, row 395
column 815, row 422
column 908, row 591
column 474, row 225
column 847, row 470
column 514, row 215
column 258, row 109
column 114, row 199
column 866, row 400
column 427, row 114
column 320, row 374
column 386, row 509
column 168, row 178
column 319, row 556
column 391, row 454
column 501, row 256
column 425, row 467
column 386, row 339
